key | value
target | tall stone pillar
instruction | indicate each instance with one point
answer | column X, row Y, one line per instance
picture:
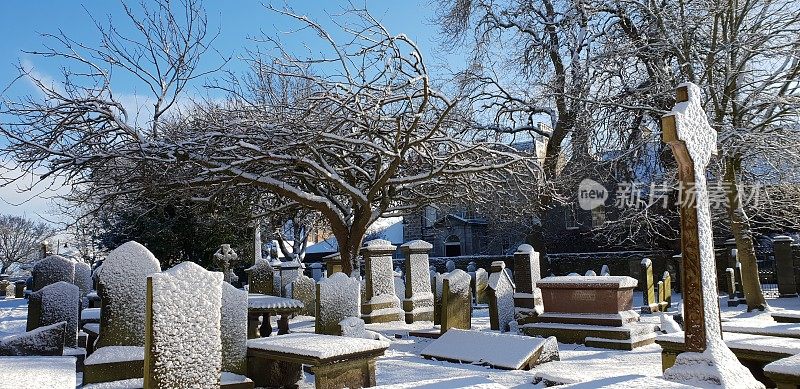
column 527, row 297
column 380, row 302
column 784, row 266
column 418, row 301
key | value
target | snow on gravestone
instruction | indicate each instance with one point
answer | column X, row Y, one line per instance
column 261, row 279
column 418, row 299
column 47, row 340
column 233, row 327
column 83, row 277
column 52, row 269
column 380, row 303
column 122, row 287
column 456, row 301
column 501, row 300
column 504, row 351
column 183, row 346
column 707, row 359
column 338, row 297
column 303, row 289
column 53, row 304
column 527, row 297
column 481, row 283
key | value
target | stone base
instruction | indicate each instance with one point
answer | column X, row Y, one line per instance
column 433, row 333
column 418, row 310
column 619, row 331
column 358, row 373
column 625, row 344
column 381, row 312
column 272, row 373
column 113, row 371
column 614, row 320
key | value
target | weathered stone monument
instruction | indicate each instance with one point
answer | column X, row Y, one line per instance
column 667, row 284
column 649, row 302
column 304, row 290
column 418, row 301
column 380, row 302
column 590, row 273
column 233, row 329
column 42, row 341
column 261, row 278
column 83, row 278
column 317, row 272
column 450, row 265
column 593, row 310
column 604, row 271
column 289, row 272
column 225, row 258
column 481, row 283
column 527, row 297
column 500, row 293
column 52, row 269
column 55, row 303
column 183, row 345
column 707, row 359
column 787, row 287
column 456, row 301
column 338, row 297
column 730, row 287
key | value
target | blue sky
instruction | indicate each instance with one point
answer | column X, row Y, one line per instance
column 22, row 22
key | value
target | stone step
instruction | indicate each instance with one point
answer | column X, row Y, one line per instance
column 634, row 334
column 612, row 320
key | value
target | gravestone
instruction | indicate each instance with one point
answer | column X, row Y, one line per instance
column 527, row 297
column 456, row 301
column 333, row 263
column 42, row 341
column 338, row 297
column 83, row 277
column 289, row 271
column 604, row 271
column 261, row 278
column 380, row 303
column 4, row 284
column 317, row 272
column 233, row 329
column 432, row 271
column 662, row 304
column 649, row 302
column 52, row 269
column 693, row 141
column 438, row 284
column 500, row 291
column 730, row 287
column 304, row 290
column 122, row 288
column 225, row 258
column 450, row 265
column 53, row 304
column 19, row 289
column 481, row 283
column 667, row 280
column 784, row 266
column 737, row 272
column 418, row 299
column 183, row 346
column 590, row 273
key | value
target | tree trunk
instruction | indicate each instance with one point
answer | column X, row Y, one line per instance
column 740, row 226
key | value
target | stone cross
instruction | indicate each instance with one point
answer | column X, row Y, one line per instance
column 418, row 299
column 692, row 140
column 225, row 258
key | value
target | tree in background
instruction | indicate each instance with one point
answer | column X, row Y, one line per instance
column 20, row 240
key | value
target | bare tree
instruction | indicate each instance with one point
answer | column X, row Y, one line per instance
column 20, row 240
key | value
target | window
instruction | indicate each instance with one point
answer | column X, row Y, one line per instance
column 570, row 221
column 598, row 216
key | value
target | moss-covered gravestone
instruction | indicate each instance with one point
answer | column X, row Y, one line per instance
column 338, row 297
column 500, row 293
column 53, row 304
column 649, row 301
column 122, row 287
column 380, row 303
column 456, row 301
column 304, row 290
column 183, row 347
column 233, row 329
column 418, row 301
column 52, row 269
column 481, row 285
column 667, row 280
column 261, row 278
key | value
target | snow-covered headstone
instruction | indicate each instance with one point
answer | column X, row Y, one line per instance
column 604, row 271
column 225, row 258
column 261, row 278
column 456, row 301
column 380, row 301
column 352, row 327
column 338, row 297
column 450, row 265
column 590, row 273
column 707, row 359
column 649, row 302
column 83, row 277
column 42, row 341
column 52, row 269
column 317, row 272
column 527, row 297
column 289, row 271
column 183, row 345
column 56, row 303
column 122, row 287
column 667, row 284
column 418, row 299
column 500, row 293
column 233, row 329
column 481, row 283
column 304, row 290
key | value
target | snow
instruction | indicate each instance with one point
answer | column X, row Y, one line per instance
column 132, row 383
column 498, row 350
column 786, row 366
column 47, row 340
column 233, row 328
column 90, row 315
column 115, row 354
column 51, row 270
column 59, row 303
column 763, row 327
column 184, row 346
column 475, row 382
column 304, row 290
column 38, row 372
column 262, row 301
column 340, row 297
column 124, row 288
column 587, row 282
column 316, row 345
column 748, row 342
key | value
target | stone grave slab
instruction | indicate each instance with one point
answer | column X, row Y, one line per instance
column 502, row 351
